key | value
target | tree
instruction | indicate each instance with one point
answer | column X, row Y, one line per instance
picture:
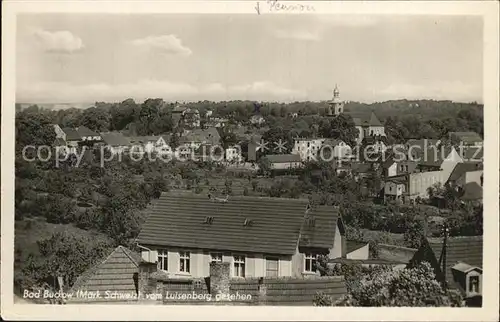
column 123, row 114
column 341, row 127
column 65, row 255
column 388, row 286
column 33, row 128
column 95, row 119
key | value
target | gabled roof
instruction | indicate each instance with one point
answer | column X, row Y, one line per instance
column 472, row 191
column 364, row 118
column 319, row 235
column 463, row 249
column 115, row 139
column 333, row 142
column 401, row 179
column 208, row 135
column 71, row 134
column 118, row 272
column 462, row 168
column 434, row 157
column 352, row 245
column 178, row 220
column 283, row 158
column 85, row 131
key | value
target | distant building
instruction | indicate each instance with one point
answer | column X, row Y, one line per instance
column 466, row 138
column 336, row 149
column 151, row 144
column 257, row 120
column 335, row 106
column 307, row 149
column 233, row 154
column 284, row 161
column 115, row 142
column 87, row 135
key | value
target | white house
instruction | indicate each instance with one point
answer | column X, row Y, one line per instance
column 233, row 154
column 307, row 149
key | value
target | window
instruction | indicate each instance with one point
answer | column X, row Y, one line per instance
column 474, row 284
column 162, row 260
column 185, row 259
column 239, row 266
column 272, row 265
column 310, row 263
column 216, row 257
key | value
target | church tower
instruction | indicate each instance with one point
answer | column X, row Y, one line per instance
column 336, row 106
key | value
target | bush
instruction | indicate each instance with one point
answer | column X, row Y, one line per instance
column 322, row 299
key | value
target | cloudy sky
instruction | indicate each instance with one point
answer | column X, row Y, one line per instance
column 70, row 58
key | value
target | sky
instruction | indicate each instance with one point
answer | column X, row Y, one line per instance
column 71, row 58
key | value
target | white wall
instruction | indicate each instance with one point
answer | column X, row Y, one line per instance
column 392, row 170
column 360, row 253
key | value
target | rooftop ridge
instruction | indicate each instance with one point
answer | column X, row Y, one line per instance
column 190, row 194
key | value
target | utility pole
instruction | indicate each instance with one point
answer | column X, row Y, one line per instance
column 445, row 241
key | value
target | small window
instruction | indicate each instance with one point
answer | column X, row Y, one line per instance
column 216, row 257
column 310, row 263
column 474, row 284
column 185, row 262
column 239, row 266
column 163, row 260
column 272, row 266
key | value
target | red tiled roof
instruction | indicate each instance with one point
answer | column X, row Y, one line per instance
column 177, row 219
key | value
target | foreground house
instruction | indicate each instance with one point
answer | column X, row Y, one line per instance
column 457, row 264
column 257, row 236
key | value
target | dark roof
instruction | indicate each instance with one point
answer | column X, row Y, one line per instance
column 115, row 273
column 461, row 168
column 463, row 249
column 473, row 154
column 283, row 158
column 85, row 131
column 178, row 109
column 208, row 135
column 472, row 191
column 374, row 139
column 395, row 253
column 422, row 143
column 401, row 179
column 364, row 119
column 71, row 134
column 115, row 139
column 466, row 137
column 319, row 235
column 434, row 157
column 361, row 167
column 370, row 261
column 177, row 219
column 352, row 245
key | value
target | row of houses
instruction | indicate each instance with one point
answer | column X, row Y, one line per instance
column 68, row 140
column 265, row 246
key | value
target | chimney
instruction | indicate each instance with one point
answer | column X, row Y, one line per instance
column 145, row 284
column 219, row 278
